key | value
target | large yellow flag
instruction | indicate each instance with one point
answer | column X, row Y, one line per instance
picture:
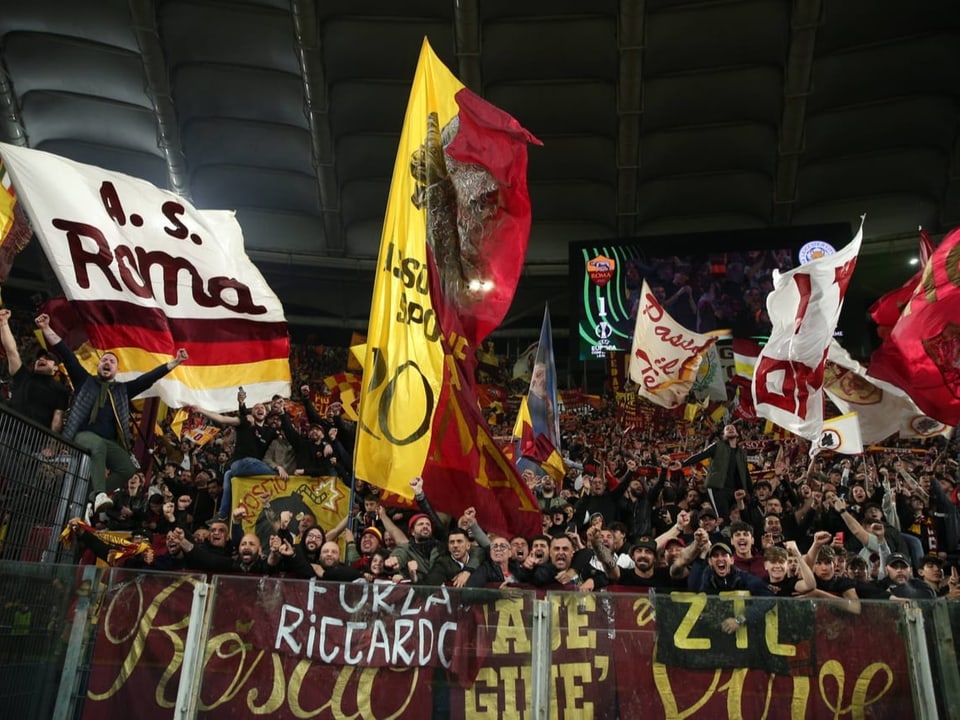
column 403, row 368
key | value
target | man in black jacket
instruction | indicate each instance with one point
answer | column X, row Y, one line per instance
column 99, row 418
column 249, row 560
column 254, row 436
column 455, row 566
column 567, row 568
column 728, row 470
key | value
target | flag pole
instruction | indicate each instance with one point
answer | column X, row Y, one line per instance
column 353, row 495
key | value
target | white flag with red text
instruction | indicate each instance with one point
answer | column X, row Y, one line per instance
column 147, row 273
column 804, row 307
column 665, row 355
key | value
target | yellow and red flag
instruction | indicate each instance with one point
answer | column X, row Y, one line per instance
column 15, row 230
column 454, row 240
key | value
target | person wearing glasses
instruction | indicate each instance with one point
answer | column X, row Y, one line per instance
column 499, row 569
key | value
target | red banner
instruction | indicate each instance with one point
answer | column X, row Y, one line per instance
column 294, row 649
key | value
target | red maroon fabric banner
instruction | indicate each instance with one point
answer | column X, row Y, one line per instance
column 920, row 356
column 289, row 649
column 886, row 310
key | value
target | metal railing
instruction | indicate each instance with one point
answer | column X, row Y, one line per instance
column 43, row 483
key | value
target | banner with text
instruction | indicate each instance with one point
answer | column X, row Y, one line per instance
column 295, row 649
column 147, row 273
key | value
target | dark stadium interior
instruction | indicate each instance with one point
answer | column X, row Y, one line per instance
column 657, row 117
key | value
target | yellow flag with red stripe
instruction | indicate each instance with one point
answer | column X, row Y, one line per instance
column 403, row 366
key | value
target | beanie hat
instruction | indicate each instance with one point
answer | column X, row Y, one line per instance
column 418, row 516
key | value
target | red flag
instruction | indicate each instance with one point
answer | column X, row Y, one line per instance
column 487, row 166
column 465, row 467
column 921, row 354
column 886, row 310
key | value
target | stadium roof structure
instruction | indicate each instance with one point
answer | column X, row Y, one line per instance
column 657, row 117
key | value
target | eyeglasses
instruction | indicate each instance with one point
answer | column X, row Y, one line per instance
column 499, row 546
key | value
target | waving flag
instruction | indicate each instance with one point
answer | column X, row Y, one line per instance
column 454, row 240
column 921, row 354
column 15, row 230
column 886, row 311
column 882, row 409
column 841, row 435
column 711, row 381
column 804, row 307
column 665, row 356
column 148, row 273
column 538, row 422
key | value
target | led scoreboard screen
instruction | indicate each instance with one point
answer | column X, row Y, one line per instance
column 706, row 281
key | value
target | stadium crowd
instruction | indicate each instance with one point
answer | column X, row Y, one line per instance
column 636, row 508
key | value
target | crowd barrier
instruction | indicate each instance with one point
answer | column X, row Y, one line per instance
column 113, row 643
column 43, row 483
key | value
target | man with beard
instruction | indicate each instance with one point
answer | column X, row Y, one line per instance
column 719, row 575
column 728, row 470
column 633, row 505
column 315, row 456
column 249, row 559
column 646, row 572
column 99, row 420
column 253, row 437
column 35, row 392
column 329, row 567
column 413, row 559
column 173, row 559
column 539, row 550
column 567, row 568
column 547, row 497
column 899, row 583
column 455, row 566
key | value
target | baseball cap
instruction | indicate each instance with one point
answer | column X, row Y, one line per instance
column 722, row 547
column 645, row 542
column 675, row 541
column 708, row 512
column 895, row 558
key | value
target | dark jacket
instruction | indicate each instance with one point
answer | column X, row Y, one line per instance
column 445, row 569
column 722, row 456
column 87, row 388
column 546, row 574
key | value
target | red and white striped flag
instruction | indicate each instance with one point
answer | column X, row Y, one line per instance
column 147, row 273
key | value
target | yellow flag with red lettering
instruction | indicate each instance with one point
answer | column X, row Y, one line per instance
column 403, row 367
